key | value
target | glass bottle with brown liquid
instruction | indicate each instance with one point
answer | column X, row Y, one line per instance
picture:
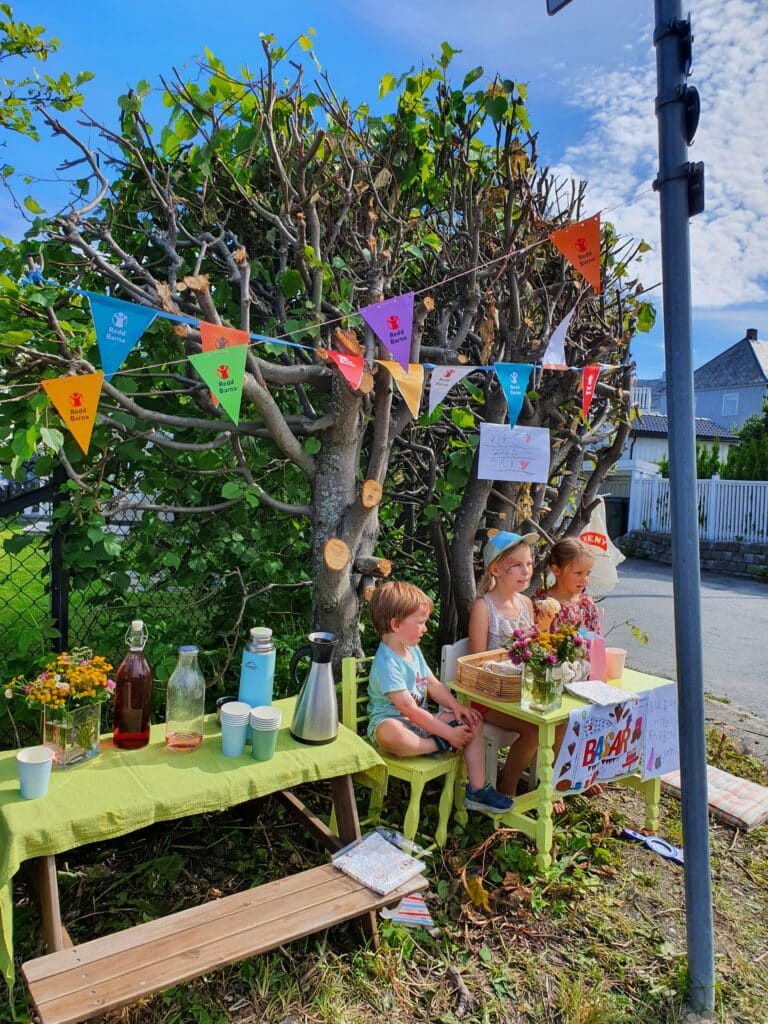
column 133, row 692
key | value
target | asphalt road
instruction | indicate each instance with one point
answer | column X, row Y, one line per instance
column 734, row 617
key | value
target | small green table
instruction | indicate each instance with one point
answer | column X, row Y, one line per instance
column 532, row 813
column 121, row 791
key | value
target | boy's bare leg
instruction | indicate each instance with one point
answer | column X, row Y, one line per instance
column 395, row 738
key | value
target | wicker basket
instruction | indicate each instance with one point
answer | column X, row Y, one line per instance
column 471, row 676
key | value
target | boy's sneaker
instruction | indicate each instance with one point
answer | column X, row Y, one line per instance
column 487, row 799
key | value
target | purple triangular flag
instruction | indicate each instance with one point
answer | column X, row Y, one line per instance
column 392, row 321
column 513, row 378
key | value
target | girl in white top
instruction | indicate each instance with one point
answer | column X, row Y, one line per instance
column 499, row 610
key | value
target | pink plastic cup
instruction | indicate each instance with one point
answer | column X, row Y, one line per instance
column 614, row 662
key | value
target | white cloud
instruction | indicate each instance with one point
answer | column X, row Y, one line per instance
column 618, row 153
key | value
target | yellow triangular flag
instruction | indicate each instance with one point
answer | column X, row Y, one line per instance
column 76, row 399
column 411, row 384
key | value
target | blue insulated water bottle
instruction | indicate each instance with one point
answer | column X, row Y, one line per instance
column 257, row 669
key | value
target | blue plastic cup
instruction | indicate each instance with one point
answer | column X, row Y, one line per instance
column 34, row 766
column 234, row 725
column 265, row 725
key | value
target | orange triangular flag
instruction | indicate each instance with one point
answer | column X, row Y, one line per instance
column 351, row 367
column 411, row 384
column 214, row 336
column 580, row 244
column 76, row 399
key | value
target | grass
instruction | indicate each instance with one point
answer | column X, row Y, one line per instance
column 600, row 939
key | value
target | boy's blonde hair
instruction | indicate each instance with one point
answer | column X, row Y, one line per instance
column 488, row 579
column 568, row 550
column 396, row 601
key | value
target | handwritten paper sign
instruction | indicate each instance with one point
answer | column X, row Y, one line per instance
column 517, row 453
column 661, row 752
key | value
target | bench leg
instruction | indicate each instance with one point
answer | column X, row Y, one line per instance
column 348, row 824
column 444, row 808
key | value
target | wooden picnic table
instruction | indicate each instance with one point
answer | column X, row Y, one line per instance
column 532, row 812
column 119, row 792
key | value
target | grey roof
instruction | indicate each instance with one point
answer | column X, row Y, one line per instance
column 741, row 365
column 655, row 425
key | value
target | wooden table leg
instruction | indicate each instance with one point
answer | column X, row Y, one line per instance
column 348, row 824
column 47, row 892
column 545, row 796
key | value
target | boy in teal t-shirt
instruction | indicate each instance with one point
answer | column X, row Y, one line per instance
column 399, row 721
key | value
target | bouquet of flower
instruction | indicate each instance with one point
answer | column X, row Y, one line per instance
column 68, row 681
column 544, row 650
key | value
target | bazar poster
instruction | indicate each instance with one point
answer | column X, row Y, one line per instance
column 601, row 742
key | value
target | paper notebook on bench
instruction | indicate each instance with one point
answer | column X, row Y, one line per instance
column 377, row 864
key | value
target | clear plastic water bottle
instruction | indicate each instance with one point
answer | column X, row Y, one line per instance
column 257, row 668
column 185, row 705
column 133, row 692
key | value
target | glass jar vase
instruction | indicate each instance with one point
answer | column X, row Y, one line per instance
column 542, row 688
column 72, row 735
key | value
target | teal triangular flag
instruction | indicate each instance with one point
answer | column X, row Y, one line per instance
column 118, row 325
column 513, row 378
column 222, row 370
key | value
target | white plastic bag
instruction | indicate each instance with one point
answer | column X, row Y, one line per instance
column 607, row 556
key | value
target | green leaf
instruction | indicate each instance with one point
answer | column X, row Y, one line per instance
column 291, row 283
column 463, row 418
column 472, row 76
column 52, row 438
column 305, row 43
column 232, row 489
column 386, row 85
column 312, row 446
column 646, row 317
column 32, row 205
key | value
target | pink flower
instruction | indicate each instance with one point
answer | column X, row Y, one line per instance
column 111, row 685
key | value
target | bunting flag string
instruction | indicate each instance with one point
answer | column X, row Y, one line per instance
column 392, row 322
column 410, row 382
column 513, row 378
column 580, row 244
column 76, row 399
column 215, row 337
column 442, row 379
column 589, row 377
column 223, row 371
column 118, row 325
column 554, row 357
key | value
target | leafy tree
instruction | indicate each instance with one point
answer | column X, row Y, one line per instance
column 748, row 460
column 273, row 206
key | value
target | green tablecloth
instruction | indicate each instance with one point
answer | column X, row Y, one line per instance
column 122, row 791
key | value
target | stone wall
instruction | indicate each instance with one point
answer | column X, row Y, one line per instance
column 730, row 556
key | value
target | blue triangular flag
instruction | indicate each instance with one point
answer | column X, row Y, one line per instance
column 118, row 325
column 513, row 378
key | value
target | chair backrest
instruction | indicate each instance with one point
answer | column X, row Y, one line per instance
column 448, row 658
column 354, row 693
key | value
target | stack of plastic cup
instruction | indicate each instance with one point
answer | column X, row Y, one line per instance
column 265, row 725
column 234, row 724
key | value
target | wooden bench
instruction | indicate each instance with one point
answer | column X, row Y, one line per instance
column 84, row 981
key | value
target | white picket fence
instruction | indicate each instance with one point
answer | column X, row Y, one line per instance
column 728, row 509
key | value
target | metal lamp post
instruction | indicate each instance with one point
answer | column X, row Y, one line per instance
column 681, row 189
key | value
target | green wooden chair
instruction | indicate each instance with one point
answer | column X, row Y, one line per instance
column 416, row 771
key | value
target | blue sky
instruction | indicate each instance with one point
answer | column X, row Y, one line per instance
column 591, row 78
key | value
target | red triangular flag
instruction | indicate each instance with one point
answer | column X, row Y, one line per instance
column 351, row 367
column 589, row 377
column 580, row 244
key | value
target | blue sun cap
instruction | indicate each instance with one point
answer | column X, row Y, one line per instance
column 501, row 542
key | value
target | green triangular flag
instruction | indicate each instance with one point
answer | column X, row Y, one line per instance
column 222, row 370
